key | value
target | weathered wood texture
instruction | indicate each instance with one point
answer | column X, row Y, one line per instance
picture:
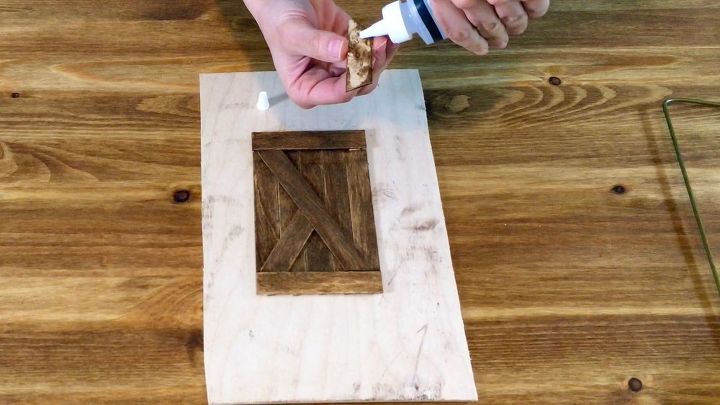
column 567, row 289
column 318, row 235
column 359, row 58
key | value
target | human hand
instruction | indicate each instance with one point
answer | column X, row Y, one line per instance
column 308, row 43
column 478, row 25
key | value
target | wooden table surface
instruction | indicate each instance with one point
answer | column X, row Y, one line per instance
column 568, row 288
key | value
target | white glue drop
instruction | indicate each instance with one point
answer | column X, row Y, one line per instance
column 263, row 104
column 402, row 19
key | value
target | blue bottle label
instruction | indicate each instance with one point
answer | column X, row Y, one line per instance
column 428, row 20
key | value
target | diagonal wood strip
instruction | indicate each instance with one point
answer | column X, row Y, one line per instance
column 289, row 245
column 336, row 239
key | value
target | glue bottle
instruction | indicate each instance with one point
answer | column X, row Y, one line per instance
column 403, row 18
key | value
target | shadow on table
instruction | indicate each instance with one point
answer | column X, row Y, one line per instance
column 655, row 142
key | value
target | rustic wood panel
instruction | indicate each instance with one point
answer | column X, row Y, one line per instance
column 94, row 252
column 345, row 242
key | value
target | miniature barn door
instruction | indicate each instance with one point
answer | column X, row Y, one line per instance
column 314, row 226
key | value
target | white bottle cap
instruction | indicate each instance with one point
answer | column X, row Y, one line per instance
column 391, row 25
column 263, row 104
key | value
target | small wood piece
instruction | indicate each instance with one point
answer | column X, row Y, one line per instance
column 359, row 282
column 363, row 230
column 322, row 179
column 308, row 140
column 359, row 58
column 317, row 254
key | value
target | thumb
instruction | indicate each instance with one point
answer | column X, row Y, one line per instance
column 306, row 40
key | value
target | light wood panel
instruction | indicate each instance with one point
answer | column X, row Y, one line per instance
column 313, row 348
column 568, row 289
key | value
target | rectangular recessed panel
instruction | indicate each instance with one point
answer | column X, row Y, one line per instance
column 332, row 231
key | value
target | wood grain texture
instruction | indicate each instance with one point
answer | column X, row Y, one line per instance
column 288, row 246
column 320, row 348
column 317, row 254
column 305, row 283
column 567, row 289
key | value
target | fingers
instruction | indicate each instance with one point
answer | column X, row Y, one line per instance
column 318, row 87
column 512, row 14
column 536, row 8
column 482, row 15
column 302, row 39
column 325, row 83
column 458, row 28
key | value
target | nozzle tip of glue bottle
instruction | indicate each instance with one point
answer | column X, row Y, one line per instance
column 376, row 30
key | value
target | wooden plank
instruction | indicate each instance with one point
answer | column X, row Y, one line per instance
column 361, row 208
column 289, row 246
column 416, row 321
column 337, row 201
column 308, row 140
column 313, row 208
column 344, row 282
column 317, row 254
column 267, row 230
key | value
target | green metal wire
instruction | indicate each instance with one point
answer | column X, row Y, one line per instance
column 686, row 178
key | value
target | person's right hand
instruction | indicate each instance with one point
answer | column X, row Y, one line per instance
column 478, row 25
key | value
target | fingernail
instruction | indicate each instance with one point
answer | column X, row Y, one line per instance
column 334, row 48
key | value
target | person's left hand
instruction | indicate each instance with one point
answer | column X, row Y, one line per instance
column 308, row 43
column 479, row 25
